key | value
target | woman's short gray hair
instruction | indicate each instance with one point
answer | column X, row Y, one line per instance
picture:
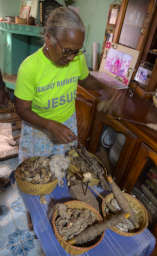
column 63, row 18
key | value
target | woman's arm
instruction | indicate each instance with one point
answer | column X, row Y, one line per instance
column 61, row 132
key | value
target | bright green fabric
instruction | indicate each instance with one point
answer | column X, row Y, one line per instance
column 51, row 89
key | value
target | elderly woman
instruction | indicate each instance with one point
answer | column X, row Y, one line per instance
column 45, row 100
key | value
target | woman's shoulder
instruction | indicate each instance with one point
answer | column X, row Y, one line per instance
column 32, row 60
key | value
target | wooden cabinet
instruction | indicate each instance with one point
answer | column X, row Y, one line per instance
column 133, row 23
column 144, row 155
column 85, row 110
column 133, row 109
column 139, row 152
column 141, row 181
column 136, row 28
column 129, row 149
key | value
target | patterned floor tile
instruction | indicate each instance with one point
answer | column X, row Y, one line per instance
column 15, row 238
column 5, row 229
column 7, row 252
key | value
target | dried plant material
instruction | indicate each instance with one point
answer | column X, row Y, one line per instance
column 110, row 206
column 42, row 170
column 106, row 105
column 58, row 165
column 87, row 177
column 77, row 193
column 122, row 201
column 86, row 167
column 95, row 230
column 35, row 170
column 71, row 221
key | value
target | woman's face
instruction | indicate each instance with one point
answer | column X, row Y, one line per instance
column 66, row 46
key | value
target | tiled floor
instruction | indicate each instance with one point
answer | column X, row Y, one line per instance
column 15, row 238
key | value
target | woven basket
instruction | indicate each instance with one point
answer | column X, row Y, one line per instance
column 35, row 189
column 71, row 249
column 142, row 214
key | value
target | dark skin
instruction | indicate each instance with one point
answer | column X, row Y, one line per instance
column 72, row 39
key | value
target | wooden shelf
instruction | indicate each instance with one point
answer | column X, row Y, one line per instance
column 21, row 29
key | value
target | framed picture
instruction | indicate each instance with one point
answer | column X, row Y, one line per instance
column 143, row 75
column 25, row 11
column 34, row 8
column 113, row 14
column 119, row 61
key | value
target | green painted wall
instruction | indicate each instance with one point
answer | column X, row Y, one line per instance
column 94, row 14
column 9, row 7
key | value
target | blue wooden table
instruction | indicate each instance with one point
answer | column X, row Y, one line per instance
column 111, row 245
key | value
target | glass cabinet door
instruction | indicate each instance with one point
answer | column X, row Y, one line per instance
column 133, row 22
column 145, row 187
column 114, row 144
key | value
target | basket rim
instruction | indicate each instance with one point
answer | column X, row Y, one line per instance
column 116, row 230
column 65, row 242
column 17, row 177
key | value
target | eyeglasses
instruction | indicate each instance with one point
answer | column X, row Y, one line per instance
column 68, row 52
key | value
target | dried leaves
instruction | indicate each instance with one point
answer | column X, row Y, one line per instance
column 85, row 166
column 35, row 170
column 111, row 207
column 72, row 221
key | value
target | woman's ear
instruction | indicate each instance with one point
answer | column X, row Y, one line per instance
column 49, row 42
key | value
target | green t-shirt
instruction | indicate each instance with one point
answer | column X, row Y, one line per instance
column 51, row 89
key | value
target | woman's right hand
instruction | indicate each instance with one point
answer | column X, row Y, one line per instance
column 62, row 133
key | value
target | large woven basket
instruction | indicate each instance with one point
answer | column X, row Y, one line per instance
column 140, row 210
column 71, row 249
column 35, row 189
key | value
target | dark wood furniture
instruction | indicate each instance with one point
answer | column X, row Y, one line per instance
column 136, row 135
column 85, row 110
column 136, row 28
column 140, row 146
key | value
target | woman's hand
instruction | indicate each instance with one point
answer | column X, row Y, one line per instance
column 58, row 132
column 62, row 133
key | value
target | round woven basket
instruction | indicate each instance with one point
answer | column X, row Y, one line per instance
column 35, row 189
column 140, row 210
column 71, row 249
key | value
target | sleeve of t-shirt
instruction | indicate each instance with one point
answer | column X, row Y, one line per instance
column 83, row 68
column 24, row 88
